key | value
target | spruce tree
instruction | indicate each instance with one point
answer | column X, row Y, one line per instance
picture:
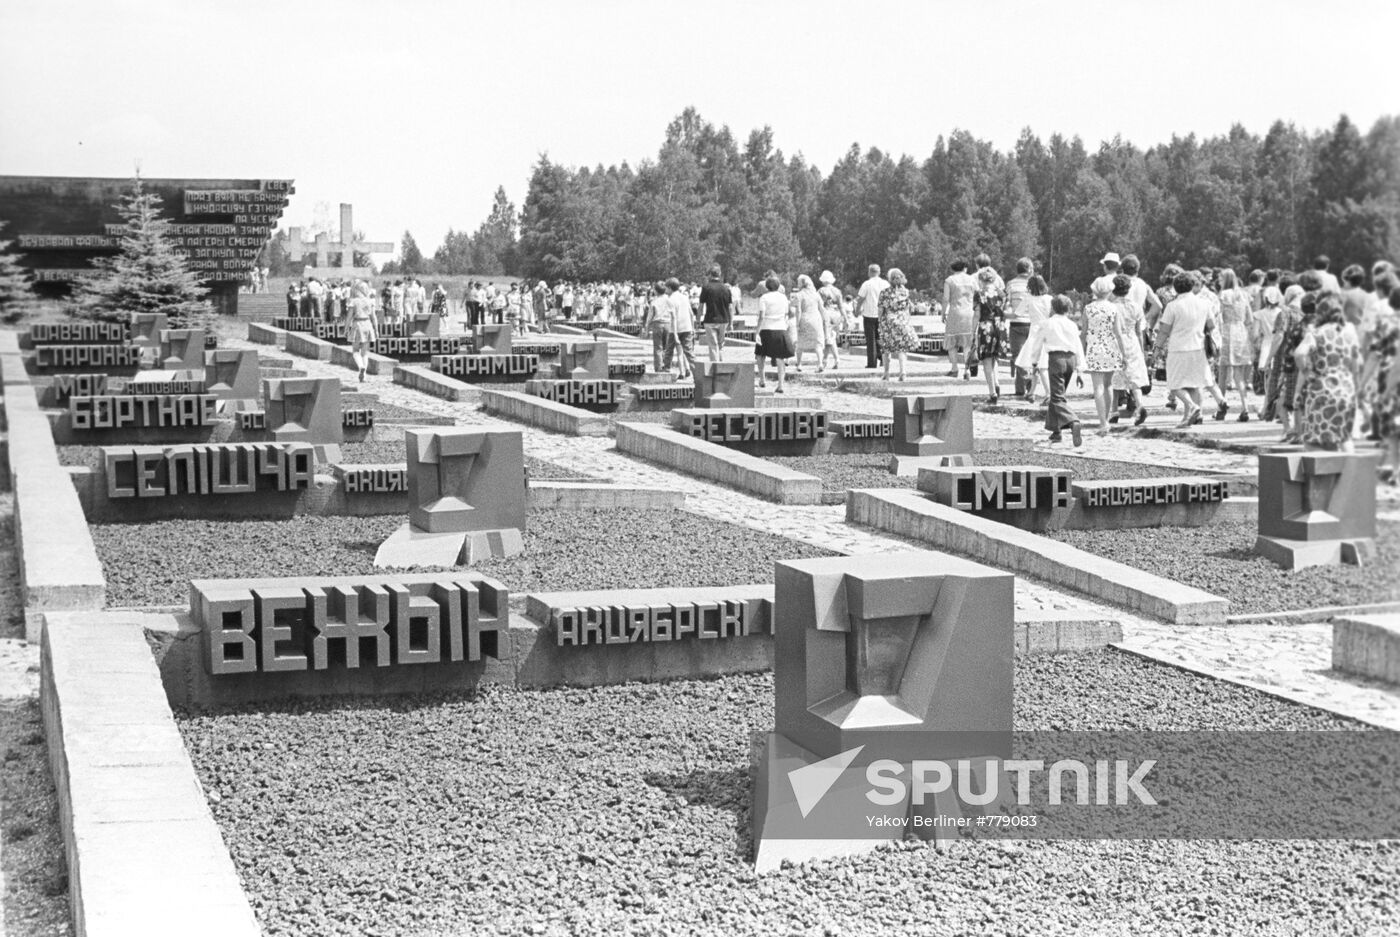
column 16, row 297
column 149, row 274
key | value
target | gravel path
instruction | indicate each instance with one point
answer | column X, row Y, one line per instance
column 31, row 856
column 1221, row 559
column 625, row 810
column 153, row 563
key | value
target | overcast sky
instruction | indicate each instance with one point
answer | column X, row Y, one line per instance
column 415, row 110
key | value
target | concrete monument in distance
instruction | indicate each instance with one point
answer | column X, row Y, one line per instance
column 898, row 656
column 721, row 384
column 583, row 361
column 1317, row 508
column 466, row 499
column 927, row 426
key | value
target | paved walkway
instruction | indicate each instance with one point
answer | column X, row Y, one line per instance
column 1291, row 661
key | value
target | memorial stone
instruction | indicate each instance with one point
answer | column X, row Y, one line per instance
column 344, row 249
column 721, row 384
column 216, row 469
column 894, row 657
column 583, row 361
column 181, row 350
column 992, row 489
column 1317, row 508
column 146, row 328
column 303, row 409
column 493, row 339
column 231, row 374
column 484, row 368
column 929, row 425
column 466, row 497
column 272, row 625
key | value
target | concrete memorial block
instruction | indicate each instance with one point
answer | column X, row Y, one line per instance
column 493, row 339
column 75, row 333
column 310, row 624
column 216, row 469
column 721, row 384
column 165, row 382
column 583, row 361
column 1317, row 508
column 344, row 249
column 303, row 409
column 416, row 347
column 428, row 325
column 655, row 616
column 375, row 479
column 626, row 369
column 485, row 368
column 63, row 386
column 747, row 426
column 181, row 350
column 231, row 374
column 892, row 657
column 146, row 328
column 110, row 358
column 141, row 411
column 1368, row 645
column 929, row 426
column 297, row 323
column 997, row 488
column 466, row 498
column 589, row 394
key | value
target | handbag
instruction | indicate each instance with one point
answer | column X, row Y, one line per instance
column 1212, row 349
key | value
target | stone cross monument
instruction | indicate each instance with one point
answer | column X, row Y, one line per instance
column 345, row 248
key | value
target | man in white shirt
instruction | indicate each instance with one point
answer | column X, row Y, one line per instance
column 1329, row 281
column 868, row 308
column 1018, row 318
column 682, row 329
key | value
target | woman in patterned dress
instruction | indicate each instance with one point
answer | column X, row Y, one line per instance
column 897, row 336
column 811, row 326
column 1289, row 329
column 993, row 338
column 1382, row 373
column 1104, row 352
column 1236, row 353
column 1328, row 359
column 832, row 318
column 360, row 328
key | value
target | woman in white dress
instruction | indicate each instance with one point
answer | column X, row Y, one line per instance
column 360, row 327
column 1182, row 332
column 832, row 317
column 811, row 324
column 960, row 320
column 1236, row 351
column 1132, row 377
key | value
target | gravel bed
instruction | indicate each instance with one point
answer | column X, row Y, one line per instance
column 152, row 563
column 1220, row 559
column 625, row 810
column 872, row 469
column 31, row 855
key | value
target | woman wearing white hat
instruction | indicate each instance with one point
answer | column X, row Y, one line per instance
column 832, row 317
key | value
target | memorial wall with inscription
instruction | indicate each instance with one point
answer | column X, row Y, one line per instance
column 60, row 224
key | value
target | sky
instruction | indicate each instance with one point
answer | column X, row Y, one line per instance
column 415, row 111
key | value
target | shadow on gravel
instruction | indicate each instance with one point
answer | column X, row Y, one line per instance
column 730, row 790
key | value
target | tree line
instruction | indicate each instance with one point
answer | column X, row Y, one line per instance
column 1236, row 200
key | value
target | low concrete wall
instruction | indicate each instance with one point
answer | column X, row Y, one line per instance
column 912, row 515
column 263, row 334
column 59, row 569
column 422, row 378
column 344, row 356
column 572, row 495
column 144, row 853
column 308, row 346
column 546, row 414
column 1368, row 645
column 739, row 470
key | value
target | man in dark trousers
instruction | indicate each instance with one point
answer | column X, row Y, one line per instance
column 868, row 308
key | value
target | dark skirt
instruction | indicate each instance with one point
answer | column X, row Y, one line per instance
column 774, row 343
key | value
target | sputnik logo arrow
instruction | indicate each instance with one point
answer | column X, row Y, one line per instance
column 811, row 782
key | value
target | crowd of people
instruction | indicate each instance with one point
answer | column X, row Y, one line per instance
column 1314, row 352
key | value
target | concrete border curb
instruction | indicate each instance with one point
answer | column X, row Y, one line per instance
column 545, row 414
column 143, row 851
column 703, row 459
column 378, row 364
column 911, row 515
column 1368, row 646
column 425, row 380
column 263, row 334
column 59, row 568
